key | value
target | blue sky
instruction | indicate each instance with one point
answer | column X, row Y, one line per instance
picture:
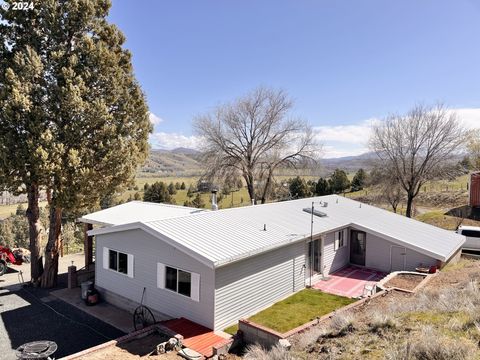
column 343, row 62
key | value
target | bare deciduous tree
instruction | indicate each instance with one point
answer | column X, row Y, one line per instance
column 388, row 186
column 418, row 146
column 253, row 137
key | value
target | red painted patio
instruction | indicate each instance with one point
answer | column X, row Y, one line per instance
column 349, row 281
column 195, row 336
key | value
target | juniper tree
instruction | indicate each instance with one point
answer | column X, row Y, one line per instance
column 74, row 121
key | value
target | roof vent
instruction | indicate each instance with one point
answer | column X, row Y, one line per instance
column 214, row 200
column 325, row 204
column 264, row 227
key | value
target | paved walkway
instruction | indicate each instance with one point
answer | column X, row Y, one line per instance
column 349, row 281
column 112, row 315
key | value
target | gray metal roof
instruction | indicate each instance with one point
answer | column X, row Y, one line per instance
column 223, row 236
column 133, row 211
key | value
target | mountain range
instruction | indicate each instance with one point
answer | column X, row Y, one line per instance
column 186, row 162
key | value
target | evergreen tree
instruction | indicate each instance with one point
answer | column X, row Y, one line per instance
column 198, row 201
column 322, row 187
column 177, row 186
column 339, row 182
column 158, row 192
column 359, row 180
column 171, row 189
column 183, row 186
column 74, row 119
column 299, row 188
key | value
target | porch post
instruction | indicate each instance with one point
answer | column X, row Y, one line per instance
column 87, row 245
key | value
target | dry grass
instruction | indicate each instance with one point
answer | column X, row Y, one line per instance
column 442, row 321
column 257, row 352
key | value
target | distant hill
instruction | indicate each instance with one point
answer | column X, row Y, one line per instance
column 176, row 162
column 349, row 163
column 185, row 162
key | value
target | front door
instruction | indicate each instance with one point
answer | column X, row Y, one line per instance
column 358, row 247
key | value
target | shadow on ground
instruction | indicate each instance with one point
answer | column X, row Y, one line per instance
column 31, row 314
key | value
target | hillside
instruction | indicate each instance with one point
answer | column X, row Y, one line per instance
column 176, row 162
column 185, row 162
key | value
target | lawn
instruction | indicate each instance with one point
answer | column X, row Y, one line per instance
column 298, row 309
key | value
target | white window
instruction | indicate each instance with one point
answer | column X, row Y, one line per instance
column 180, row 281
column 340, row 239
column 118, row 261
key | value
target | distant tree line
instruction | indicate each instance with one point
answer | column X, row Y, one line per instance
column 337, row 183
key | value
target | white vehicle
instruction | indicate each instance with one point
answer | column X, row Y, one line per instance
column 472, row 233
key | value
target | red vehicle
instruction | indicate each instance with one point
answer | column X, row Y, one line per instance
column 8, row 256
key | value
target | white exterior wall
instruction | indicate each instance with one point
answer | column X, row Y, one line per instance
column 248, row 286
column 334, row 260
column 147, row 252
column 378, row 256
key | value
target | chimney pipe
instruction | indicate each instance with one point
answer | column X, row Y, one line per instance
column 214, row 200
column 253, row 201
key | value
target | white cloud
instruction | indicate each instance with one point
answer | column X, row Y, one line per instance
column 469, row 117
column 337, row 140
column 154, row 119
column 169, row 141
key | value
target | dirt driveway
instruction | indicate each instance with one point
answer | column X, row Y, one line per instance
column 16, row 272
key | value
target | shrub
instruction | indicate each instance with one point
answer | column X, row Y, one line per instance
column 341, row 324
column 257, row 352
column 381, row 321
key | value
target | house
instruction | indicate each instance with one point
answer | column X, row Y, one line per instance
column 215, row 267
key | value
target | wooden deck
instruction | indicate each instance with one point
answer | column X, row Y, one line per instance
column 195, row 336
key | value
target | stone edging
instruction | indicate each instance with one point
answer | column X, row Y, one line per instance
column 309, row 324
column 422, row 283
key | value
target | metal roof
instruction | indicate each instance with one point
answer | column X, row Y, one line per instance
column 220, row 237
column 134, row 211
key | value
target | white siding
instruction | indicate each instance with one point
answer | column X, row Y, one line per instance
column 335, row 259
column 147, row 252
column 378, row 256
column 248, row 286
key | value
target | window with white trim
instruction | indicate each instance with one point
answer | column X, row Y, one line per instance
column 118, row 261
column 340, row 239
column 180, row 281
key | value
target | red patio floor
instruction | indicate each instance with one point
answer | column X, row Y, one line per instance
column 349, row 281
column 195, row 336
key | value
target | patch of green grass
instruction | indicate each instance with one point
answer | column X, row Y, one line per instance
column 232, row 330
column 299, row 309
column 8, row 210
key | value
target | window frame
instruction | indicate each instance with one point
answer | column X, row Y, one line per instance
column 177, row 277
column 118, row 253
column 340, row 240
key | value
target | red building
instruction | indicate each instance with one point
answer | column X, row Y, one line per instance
column 474, row 195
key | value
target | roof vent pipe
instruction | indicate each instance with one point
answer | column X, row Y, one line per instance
column 214, row 200
column 264, row 227
column 253, row 201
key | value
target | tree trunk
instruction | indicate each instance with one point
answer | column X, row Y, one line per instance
column 410, row 198
column 267, row 187
column 251, row 190
column 49, row 277
column 35, row 232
